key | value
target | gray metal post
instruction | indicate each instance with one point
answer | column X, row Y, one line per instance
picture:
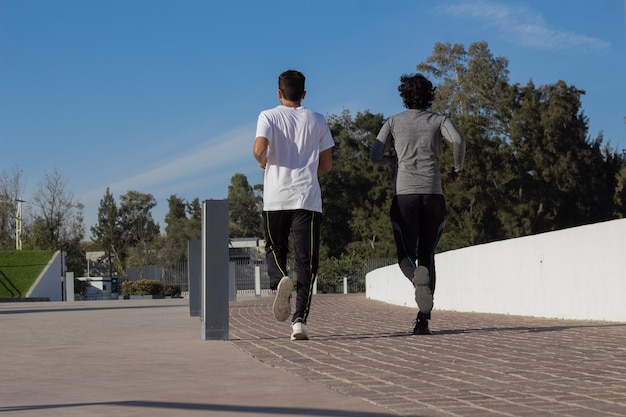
column 232, row 282
column 257, row 281
column 63, row 271
column 69, row 286
column 194, row 276
column 215, row 280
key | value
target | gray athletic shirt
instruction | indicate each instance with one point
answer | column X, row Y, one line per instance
column 416, row 136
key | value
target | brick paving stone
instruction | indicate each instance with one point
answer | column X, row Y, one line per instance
column 472, row 365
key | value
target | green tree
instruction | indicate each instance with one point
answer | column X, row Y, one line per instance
column 194, row 226
column 475, row 93
column 245, row 218
column 107, row 232
column 176, row 231
column 620, row 191
column 177, row 213
column 356, row 193
column 474, row 84
column 529, row 165
column 140, row 232
column 563, row 178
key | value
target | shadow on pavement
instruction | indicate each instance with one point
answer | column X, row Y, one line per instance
column 226, row 408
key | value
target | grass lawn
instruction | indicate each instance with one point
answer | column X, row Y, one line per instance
column 19, row 270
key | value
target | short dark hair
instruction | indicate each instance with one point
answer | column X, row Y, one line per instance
column 291, row 84
column 416, row 91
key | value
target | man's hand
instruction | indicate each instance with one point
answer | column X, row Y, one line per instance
column 453, row 176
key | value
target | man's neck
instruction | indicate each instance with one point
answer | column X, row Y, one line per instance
column 290, row 103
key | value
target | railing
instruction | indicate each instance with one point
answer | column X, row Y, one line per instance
column 175, row 274
column 330, row 278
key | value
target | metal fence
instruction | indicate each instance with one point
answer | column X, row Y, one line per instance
column 175, row 274
column 330, row 277
column 332, row 274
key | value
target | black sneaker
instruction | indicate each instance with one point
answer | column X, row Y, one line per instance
column 421, row 325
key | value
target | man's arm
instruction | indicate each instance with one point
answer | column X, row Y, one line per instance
column 326, row 161
column 260, row 150
column 451, row 133
column 377, row 154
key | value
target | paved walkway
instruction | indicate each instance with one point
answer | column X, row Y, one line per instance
column 146, row 358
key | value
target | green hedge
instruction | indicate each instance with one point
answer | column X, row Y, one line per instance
column 150, row 287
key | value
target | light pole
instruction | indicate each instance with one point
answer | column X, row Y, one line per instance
column 18, row 225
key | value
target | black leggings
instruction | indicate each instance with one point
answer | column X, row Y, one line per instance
column 304, row 225
column 418, row 221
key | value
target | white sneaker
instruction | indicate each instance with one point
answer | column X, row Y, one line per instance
column 298, row 331
column 282, row 301
column 423, row 294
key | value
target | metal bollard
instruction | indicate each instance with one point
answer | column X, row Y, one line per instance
column 257, row 281
column 194, row 277
column 215, row 270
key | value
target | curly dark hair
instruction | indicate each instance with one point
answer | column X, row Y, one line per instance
column 416, row 91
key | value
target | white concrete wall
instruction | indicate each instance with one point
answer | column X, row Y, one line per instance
column 48, row 284
column 578, row 273
column 100, row 287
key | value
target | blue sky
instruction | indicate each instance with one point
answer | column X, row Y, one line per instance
column 162, row 96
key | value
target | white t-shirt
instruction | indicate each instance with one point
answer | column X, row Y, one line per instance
column 296, row 138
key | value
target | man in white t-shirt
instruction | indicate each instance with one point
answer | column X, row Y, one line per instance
column 292, row 144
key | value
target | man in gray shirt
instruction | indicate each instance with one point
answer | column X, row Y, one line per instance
column 418, row 208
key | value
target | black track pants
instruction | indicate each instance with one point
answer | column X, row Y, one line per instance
column 304, row 226
column 418, row 221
